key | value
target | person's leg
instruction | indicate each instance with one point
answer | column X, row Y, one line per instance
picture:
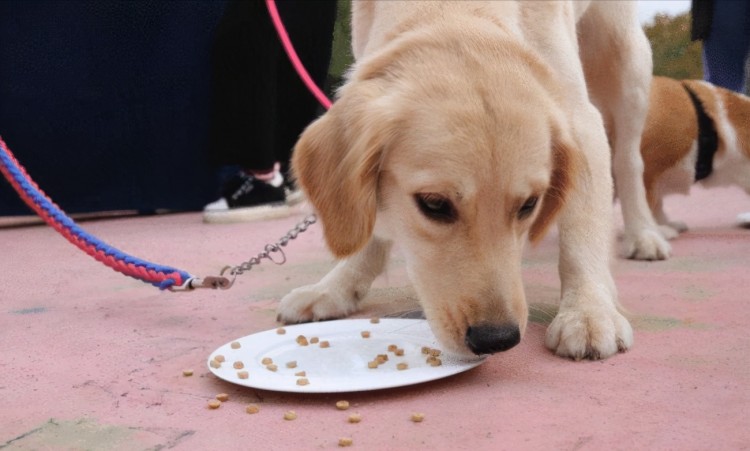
column 310, row 27
column 726, row 48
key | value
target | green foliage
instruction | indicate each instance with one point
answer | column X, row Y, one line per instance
column 674, row 54
column 341, row 54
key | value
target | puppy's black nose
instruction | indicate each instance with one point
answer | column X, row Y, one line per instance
column 490, row 338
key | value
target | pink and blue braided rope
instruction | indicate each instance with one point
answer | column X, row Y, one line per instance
column 160, row 276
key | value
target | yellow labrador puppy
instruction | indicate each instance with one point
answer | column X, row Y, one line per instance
column 465, row 128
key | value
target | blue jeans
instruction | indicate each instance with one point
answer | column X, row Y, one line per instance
column 727, row 47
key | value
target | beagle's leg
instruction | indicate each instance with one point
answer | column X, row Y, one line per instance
column 339, row 292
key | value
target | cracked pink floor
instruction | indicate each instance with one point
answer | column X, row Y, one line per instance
column 94, row 360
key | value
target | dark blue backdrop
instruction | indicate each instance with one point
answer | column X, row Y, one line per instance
column 106, row 102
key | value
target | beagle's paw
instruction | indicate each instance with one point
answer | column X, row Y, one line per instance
column 592, row 333
column 647, row 244
column 314, row 303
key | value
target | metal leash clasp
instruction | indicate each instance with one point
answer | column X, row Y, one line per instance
column 214, row 282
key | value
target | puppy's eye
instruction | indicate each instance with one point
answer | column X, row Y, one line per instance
column 436, row 207
column 527, row 208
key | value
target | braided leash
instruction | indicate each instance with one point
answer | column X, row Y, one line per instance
column 163, row 277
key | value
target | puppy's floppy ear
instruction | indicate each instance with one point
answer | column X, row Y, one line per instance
column 337, row 163
column 564, row 168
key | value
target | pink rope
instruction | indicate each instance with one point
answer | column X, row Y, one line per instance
column 296, row 62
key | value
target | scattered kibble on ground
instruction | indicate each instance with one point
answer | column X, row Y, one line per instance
column 252, row 408
column 345, row 441
column 214, row 404
column 223, row 397
column 342, row 405
column 187, row 373
column 417, row 417
column 290, row 415
column 355, row 418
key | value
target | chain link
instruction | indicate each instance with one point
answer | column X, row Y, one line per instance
column 272, row 251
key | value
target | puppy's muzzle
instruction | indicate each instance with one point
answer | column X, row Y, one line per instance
column 491, row 338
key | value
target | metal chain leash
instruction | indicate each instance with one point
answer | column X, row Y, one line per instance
column 272, row 251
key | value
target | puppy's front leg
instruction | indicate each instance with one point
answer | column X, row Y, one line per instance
column 588, row 323
column 338, row 293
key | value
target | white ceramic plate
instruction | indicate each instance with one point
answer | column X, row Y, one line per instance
column 342, row 367
column 743, row 219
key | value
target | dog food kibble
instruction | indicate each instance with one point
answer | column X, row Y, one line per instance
column 435, row 352
column 214, row 404
column 281, row 331
column 223, row 397
column 399, row 352
column 235, row 345
column 355, row 418
column 266, row 361
column 345, row 441
column 292, row 364
column 365, row 334
column 342, row 405
column 187, row 373
column 290, row 415
column 300, row 373
column 417, row 417
column 425, row 350
column 302, row 340
column 434, row 361
column 392, row 348
column 238, row 365
column 325, row 344
column 215, row 364
column 374, row 320
column 303, row 381
column 314, row 340
column 242, row 374
column 372, row 364
column 382, row 358
column 402, row 366
column 271, row 367
column 252, row 408
column 219, row 358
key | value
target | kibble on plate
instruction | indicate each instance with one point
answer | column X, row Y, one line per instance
column 303, row 381
column 345, row 441
column 271, row 367
column 375, row 320
column 399, row 352
column 292, row 364
column 238, row 365
column 242, row 374
column 392, row 348
column 372, row 364
column 266, row 361
column 355, row 418
column 342, row 405
column 290, row 415
column 219, row 358
column 314, row 340
column 215, row 364
column 281, row 331
column 252, row 408
column 417, row 417
column 223, row 397
column 365, row 334
column 302, row 340
column 381, row 358
column 235, row 345
column 301, row 373
column 402, row 366
column 325, row 344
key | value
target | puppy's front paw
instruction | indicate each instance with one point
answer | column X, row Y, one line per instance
column 592, row 333
column 668, row 231
column 313, row 303
column 647, row 245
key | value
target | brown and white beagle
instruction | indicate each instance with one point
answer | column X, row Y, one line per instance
column 695, row 133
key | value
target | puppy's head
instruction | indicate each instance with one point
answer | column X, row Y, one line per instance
column 458, row 172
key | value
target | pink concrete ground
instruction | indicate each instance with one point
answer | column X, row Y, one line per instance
column 94, row 360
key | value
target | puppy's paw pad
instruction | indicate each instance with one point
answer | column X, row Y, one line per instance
column 647, row 245
column 591, row 335
column 313, row 303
